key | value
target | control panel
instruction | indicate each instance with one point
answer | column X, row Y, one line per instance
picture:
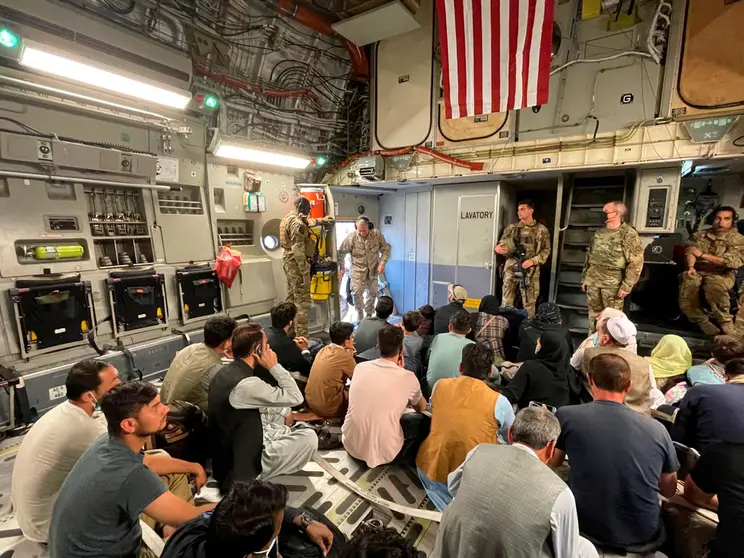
column 655, row 200
column 656, row 207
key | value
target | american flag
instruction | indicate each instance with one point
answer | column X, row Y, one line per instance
column 495, row 54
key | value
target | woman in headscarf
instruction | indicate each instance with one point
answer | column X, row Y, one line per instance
column 547, row 318
column 544, row 379
column 669, row 361
column 490, row 327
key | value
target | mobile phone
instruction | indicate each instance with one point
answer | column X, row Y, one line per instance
column 538, row 404
column 259, row 350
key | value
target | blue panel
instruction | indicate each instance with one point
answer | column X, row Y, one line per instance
column 439, row 295
column 422, row 285
column 394, row 273
column 445, row 273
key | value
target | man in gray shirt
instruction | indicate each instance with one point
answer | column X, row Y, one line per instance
column 96, row 514
column 529, row 511
column 365, row 337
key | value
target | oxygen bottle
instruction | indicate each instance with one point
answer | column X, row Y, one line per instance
column 58, row 252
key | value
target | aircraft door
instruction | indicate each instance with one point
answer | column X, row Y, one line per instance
column 477, row 217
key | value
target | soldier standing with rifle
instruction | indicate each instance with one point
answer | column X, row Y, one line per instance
column 526, row 245
column 299, row 250
column 613, row 263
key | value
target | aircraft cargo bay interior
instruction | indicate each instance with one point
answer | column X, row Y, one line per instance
column 371, row 278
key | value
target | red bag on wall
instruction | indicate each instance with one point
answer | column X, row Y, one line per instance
column 228, row 265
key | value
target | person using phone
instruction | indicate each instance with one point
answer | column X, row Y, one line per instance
column 252, row 398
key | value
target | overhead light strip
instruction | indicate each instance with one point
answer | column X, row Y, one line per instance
column 67, row 68
column 274, row 158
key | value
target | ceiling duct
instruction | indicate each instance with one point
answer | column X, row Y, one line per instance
column 379, row 20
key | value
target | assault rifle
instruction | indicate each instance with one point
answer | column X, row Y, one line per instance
column 521, row 253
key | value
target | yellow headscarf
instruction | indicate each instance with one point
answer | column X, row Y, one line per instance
column 671, row 357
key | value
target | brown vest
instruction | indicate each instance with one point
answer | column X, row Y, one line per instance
column 639, row 396
column 462, row 417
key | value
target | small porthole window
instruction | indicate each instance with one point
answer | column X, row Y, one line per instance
column 270, row 242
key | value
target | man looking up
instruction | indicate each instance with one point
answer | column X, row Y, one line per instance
column 533, row 240
column 369, row 253
column 183, row 381
column 55, row 443
column 620, row 461
column 97, row 512
column 713, row 255
column 613, row 263
column 299, row 249
column 456, row 297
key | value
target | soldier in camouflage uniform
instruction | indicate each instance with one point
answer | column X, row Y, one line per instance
column 613, row 263
column 299, row 249
column 369, row 254
column 713, row 255
column 535, row 240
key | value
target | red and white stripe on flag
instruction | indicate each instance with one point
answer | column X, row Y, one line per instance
column 495, row 54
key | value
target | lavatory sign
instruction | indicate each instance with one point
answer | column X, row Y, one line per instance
column 476, row 215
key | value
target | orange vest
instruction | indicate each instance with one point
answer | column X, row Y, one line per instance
column 462, row 417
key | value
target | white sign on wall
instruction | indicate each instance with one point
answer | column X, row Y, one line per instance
column 167, row 169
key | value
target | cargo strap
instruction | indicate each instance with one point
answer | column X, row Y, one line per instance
column 354, row 487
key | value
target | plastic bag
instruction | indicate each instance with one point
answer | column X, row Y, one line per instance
column 228, row 265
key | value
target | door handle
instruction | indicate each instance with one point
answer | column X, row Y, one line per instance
column 488, row 265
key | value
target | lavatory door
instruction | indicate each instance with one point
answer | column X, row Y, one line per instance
column 477, row 217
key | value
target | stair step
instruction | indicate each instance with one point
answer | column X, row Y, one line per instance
column 595, row 225
column 582, row 330
column 572, row 307
column 587, row 205
column 597, row 187
column 570, row 284
column 576, row 243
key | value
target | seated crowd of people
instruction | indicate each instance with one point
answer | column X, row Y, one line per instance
column 484, row 407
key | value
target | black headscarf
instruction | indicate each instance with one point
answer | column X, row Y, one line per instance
column 547, row 313
column 553, row 353
column 490, row 305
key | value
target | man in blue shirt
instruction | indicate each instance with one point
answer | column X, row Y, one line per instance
column 445, row 353
column 711, row 413
column 620, row 460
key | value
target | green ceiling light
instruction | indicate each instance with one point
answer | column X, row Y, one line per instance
column 211, row 102
column 320, row 161
column 8, row 39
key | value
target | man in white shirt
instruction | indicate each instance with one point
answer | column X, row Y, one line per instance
column 55, row 443
column 250, row 403
column 528, row 510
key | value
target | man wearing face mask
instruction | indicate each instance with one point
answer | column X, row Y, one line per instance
column 713, row 255
column 369, row 253
column 55, row 443
column 250, row 413
column 613, row 264
column 97, row 512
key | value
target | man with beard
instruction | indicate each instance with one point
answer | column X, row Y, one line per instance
column 613, row 263
column 97, row 511
column 713, row 255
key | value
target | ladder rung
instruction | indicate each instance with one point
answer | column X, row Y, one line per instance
column 583, row 330
column 576, row 243
column 586, row 205
column 569, row 284
column 595, row 187
column 598, row 225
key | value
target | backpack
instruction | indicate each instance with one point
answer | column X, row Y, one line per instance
column 295, row 544
column 185, row 435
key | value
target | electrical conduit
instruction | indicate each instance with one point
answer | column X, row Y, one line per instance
column 471, row 165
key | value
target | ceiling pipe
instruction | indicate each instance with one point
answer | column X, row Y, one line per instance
column 316, row 22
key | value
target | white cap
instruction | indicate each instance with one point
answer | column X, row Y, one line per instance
column 621, row 329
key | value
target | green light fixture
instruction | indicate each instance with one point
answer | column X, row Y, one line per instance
column 211, row 102
column 8, row 39
column 320, row 161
